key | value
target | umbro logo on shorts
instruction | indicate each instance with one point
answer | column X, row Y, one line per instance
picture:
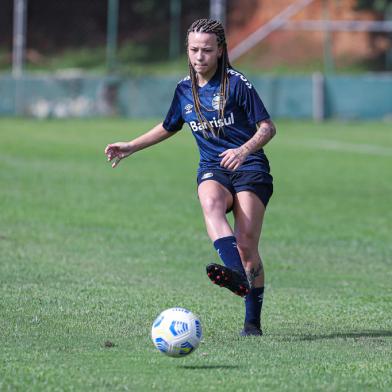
column 207, row 175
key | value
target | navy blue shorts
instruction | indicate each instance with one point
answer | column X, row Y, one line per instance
column 237, row 181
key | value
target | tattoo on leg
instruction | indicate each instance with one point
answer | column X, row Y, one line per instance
column 253, row 273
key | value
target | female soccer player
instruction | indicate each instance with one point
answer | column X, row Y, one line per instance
column 231, row 126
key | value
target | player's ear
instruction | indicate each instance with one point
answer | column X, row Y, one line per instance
column 220, row 51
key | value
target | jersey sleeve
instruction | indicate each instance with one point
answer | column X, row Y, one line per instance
column 174, row 120
column 249, row 100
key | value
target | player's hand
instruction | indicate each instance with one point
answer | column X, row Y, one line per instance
column 233, row 158
column 117, row 151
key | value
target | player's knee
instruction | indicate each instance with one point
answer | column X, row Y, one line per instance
column 211, row 204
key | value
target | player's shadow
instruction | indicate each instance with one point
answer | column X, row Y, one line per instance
column 349, row 335
column 209, row 367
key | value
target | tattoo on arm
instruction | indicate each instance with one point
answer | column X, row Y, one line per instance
column 265, row 132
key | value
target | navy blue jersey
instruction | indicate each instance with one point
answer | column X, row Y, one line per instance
column 243, row 110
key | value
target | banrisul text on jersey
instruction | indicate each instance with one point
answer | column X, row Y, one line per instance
column 243, row 110
column 197, row 126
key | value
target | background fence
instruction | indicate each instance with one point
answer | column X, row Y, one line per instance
column 318, row 97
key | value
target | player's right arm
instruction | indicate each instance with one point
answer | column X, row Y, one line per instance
column 115, row 152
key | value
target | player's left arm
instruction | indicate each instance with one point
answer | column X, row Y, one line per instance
column 232, row 159
column 266, row 130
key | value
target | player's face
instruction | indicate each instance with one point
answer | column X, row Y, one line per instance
column 204, row 52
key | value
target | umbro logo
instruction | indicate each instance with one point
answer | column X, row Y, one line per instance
column 188, row 108
column 207, row 175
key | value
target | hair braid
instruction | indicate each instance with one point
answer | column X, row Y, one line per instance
column 213, row 27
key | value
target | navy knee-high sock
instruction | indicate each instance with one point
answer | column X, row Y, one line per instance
column 228, row 252
column 253, row 305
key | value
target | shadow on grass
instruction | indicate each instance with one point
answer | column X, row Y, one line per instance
column 349, row 335
column 211, row 367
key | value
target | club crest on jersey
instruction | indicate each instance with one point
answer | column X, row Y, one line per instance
column 188, row 108
column 216, row 102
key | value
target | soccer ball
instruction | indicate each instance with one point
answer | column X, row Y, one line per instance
column 176, row 332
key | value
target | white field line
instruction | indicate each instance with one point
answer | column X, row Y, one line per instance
column 335, row 145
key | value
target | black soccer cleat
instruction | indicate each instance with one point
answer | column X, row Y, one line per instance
column 251, row 330
column 228, row 278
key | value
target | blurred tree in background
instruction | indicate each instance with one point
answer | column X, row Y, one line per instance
column 379, row 6
column 381, row 42
column 54, row 25
column 72, row 33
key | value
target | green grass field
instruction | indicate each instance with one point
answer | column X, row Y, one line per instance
column 89, row 254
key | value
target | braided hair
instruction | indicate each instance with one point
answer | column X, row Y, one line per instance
column 213, row 27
